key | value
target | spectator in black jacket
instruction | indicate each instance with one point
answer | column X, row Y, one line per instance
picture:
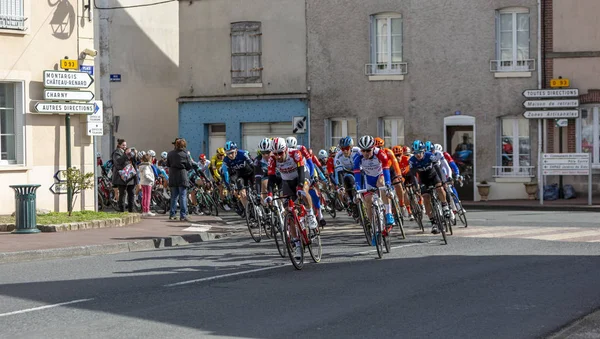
column 121, row 157
column 179, row 163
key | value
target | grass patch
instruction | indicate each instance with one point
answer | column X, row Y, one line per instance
column 54, row 218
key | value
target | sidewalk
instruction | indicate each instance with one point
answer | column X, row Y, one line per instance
column 578, row 204
column 150, row 233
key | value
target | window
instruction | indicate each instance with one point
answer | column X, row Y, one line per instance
column 512, row 41
column 386, row 45
column 246, row 67
column 589, row 131
column 12, row 14
column 515, row 150
column 339, row 128
column 392, row 130
column 11, row 123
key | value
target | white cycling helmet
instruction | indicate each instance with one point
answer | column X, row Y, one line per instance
column 322, row 154
column 152, row 153
column 279, row 145
column 265, row 145
column 366, row 142
column 438, row 148
column 291, row 142
column 98, row 155
column 163, row 155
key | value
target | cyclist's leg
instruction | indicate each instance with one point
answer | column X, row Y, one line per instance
column 349, row 185
column 371, row 182
column 241, row 183
column 288, row 189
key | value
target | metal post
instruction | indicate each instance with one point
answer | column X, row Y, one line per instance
column 95, row 175
column 560, row 150
column 68, row 142
column 590, row 181
column 540, row 179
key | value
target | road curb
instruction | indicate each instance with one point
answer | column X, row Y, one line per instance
column 585, row 327
column 560, row 208
column 121, row 247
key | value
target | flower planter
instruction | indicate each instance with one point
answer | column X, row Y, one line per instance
column 531, row 189
column 484, row 191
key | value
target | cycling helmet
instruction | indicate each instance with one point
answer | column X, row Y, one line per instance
column 438, row 148
column 152, row 153
column 141, row 154
column 291, row 142
column 406, row 150
column 202, row 157
column 98, row 155
column 279, row 145
column 265, row 145
column 220, row 151
column 366, row 142
column 230, row 146
column 397, row 150
column 346, row 142
column 163, row 155
column 379, row 142
column 418, row 146
column 428, row 146
column 333, row 150
column 322, row 154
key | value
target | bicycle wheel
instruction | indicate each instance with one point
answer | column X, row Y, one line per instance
column 399, row 219
column 364, row 221
column 276, row 229
column 314, row 248
column 100, row 201
column 441, row 221
column 253, row 222
column 291, row 247
column 266, row 222
column 376, row 226
column 461, row 214
column 339, row 206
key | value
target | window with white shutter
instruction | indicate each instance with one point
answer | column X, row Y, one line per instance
column 12, row 133
column 12, row 15
column 246, row 51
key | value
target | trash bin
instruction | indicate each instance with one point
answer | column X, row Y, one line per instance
column 25, row 209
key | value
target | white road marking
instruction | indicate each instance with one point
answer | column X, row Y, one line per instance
column 197, row 228
column 375, row 250
column 45, row 307
column 224, row 275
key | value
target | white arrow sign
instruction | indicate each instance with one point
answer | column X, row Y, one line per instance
column 98, row 115
column 550, row 93
column 64, row 79
column 551, row 114
column 94, row 129
column 55, row 94
column 64, row 108
column 551, row 103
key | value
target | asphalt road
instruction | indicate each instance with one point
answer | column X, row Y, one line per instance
column 474, row 287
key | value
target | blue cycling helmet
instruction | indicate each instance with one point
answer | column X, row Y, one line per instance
column 346, row 142
column 230, row 146
column 428, row 146
column 418, row 146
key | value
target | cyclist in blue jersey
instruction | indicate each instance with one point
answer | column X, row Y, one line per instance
column 237, row 168
column 424, row 164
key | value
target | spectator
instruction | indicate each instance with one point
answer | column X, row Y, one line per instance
column 121, row 157
column 179, row 163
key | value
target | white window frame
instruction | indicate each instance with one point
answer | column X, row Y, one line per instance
column 594, row 110
column 345, row 132
column 394, row 136
column 517, row 63
column 389, row 67
column 516, row 170
column 246, row 54
column 12, row 15
column 19, row 128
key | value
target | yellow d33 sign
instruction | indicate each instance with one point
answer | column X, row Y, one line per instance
column 69, row 64
column 560, row 83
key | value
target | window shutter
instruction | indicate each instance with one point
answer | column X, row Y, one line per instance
column 498, row 56
column 19, row 123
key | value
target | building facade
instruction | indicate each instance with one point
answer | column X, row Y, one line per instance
column 34, row 37
column 572, row 51
column 242, row 72
column 450, row 72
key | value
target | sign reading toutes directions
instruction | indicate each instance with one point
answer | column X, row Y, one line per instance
column 63, row 108
column 64, row 79
column 95, row 121
column 551, row 93
column 566, row 164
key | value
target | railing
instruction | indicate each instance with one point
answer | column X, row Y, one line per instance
column 525, row 65
column 514, row 171
column 12, row 22
column 386, row 68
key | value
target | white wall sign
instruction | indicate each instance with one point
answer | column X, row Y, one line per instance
column 65, row 79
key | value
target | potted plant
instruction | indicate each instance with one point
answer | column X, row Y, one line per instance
column 531, row 189
column 484, row 190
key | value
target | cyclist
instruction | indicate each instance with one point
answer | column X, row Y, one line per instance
column 344, row 168
column 237, row 162
column 402, row 154
column 291, row 165
column 395, row 174
column 261, row 166
column 423, row 163
column 204, row 165
column 163, row 160
column 450, row 174
column 374, row 163
column 216, row 164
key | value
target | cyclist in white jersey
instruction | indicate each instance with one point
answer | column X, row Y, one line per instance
column 344, row 167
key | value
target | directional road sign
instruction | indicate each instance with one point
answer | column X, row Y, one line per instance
column 95, row 129
column 551, row 103
column 59, row 188
column 551, row 114
column 64, row 108
column 566, row 163
column 64, row 79
column 551, row 93
column 98, row 115
column 60, row 176
column 57, row 94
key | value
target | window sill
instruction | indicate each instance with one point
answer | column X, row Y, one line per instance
column 14, row 31
column 14, row 168
column 512, row 179
column 260, row 85
column 386, row 77
column 512, row 74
